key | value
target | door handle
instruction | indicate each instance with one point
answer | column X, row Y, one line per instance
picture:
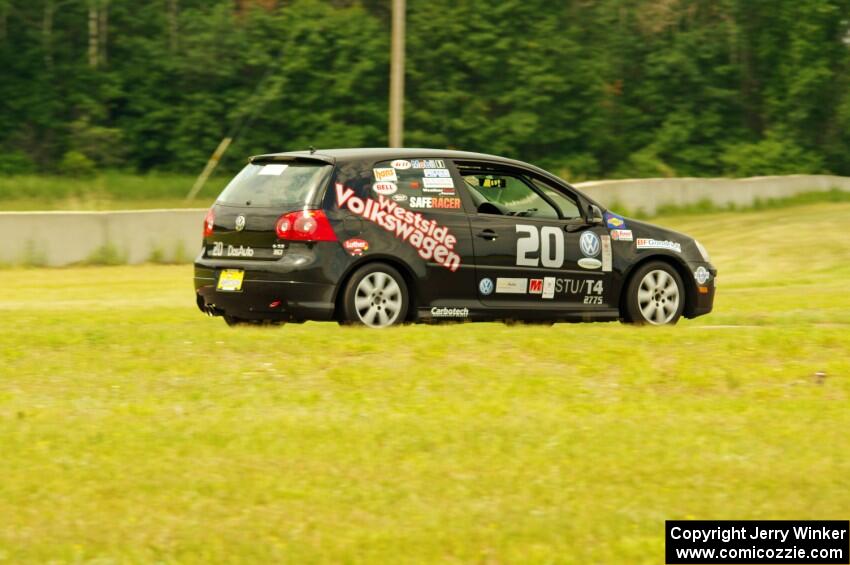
column 487, row 234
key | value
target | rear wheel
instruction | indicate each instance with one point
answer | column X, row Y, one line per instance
column 376, row 296
column 655, row 295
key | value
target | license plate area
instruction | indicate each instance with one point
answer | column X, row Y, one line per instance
column 230, row 280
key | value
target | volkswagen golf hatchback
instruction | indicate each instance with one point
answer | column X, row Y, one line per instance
column 380, row 237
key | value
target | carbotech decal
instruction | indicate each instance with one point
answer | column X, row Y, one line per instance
column 436, row 173
column 449, row 312
column 432, row 241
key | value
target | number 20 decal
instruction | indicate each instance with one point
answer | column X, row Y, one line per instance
column 548, row 245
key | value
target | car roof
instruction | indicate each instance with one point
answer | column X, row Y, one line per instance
column 338, row 156
column 383, row 154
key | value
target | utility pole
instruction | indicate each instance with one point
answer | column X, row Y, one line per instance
column 397, row 75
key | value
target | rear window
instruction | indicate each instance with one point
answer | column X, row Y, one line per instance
column 275, row 185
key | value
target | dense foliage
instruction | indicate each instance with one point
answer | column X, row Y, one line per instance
column 589, row 88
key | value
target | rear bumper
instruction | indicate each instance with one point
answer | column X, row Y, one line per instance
column 266, row 293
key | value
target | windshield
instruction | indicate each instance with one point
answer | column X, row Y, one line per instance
column 275, row 185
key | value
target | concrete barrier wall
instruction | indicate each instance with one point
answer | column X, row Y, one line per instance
column 62, row 238
column 650, row 194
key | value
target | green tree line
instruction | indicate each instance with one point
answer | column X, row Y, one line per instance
column 590, row 88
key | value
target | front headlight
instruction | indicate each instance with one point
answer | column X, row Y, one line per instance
column 703, row 251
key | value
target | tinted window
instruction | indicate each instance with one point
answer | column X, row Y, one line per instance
column 568, row 206
column 275, row 185
column 496, row 193
column 418, row 184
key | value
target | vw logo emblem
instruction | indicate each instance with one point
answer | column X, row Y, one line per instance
column 589, row 244
column 486, row 287
column 240, row 222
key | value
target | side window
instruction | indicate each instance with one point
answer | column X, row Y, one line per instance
column 569, row 207
column 507, row 195
column 418, row 184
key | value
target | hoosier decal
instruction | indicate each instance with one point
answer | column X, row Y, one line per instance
column 431, row 240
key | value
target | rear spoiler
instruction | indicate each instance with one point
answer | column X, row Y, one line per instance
column 293, row 157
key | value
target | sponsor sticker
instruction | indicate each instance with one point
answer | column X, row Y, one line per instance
column 241, row 251
column 438, row 183
column 589, row 244
column 437, row 173
column 356, row 246
column 579, row 286
column 434, row 202
column 449, row 312
column 702, row 275
column 401, row 164
column 645, row 243
column 432, row 241
column 511, row 286
column 493, row 183
column 589, row 263
column 548, row 287
column 385, row 188
column 486, row 286
column 613, row 221
column 535, row 286
column 428, row 164
column 273, row 170
column 400, row 197
column 621, row 235
column 387, row 174
column 607, row 257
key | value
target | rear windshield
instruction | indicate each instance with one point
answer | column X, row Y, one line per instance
column 275, row 185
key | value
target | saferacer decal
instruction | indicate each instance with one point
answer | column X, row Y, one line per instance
column 431, row 240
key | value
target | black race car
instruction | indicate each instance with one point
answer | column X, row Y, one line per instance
column 385, row 236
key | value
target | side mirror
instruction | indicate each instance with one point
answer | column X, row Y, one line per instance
column 595, row 214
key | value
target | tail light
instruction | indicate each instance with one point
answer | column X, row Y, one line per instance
column 305, row 225
column 209, row 222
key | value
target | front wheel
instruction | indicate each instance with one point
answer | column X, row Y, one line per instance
column 376, row 296
column 655, row 295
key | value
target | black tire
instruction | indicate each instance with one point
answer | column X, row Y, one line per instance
column 653, row 299
column 367, row 303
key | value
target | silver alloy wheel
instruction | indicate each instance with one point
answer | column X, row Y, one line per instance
column 658, row 297
column 377, row 300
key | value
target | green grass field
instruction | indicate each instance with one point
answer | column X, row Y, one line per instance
column 134, row 429
column 107, row 191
